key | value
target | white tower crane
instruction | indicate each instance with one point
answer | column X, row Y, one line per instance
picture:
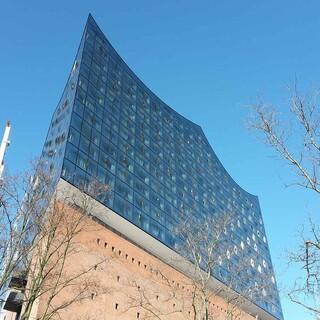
column 4, row 144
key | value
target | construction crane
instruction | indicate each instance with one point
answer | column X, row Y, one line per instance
column 4, row 144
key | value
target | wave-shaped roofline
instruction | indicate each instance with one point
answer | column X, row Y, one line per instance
column 92, row 20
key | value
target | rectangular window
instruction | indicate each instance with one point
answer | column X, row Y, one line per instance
column 80, row 179
column 95, row 137
column 126, row 148
column 76, row 121
column 84, row 144
column 126, row 135
column 125, row 161
column 81, row 95
column 68, row 170
column 82, row 160
column 71, row 153
column 85, row 70
column 108, row 148
column 107, row 162
column 141, row 203
column 74, row 137
column 124, row 190
column 105, row 177
column 143, row 175
column 123, row 207
column 86, row 130
column 124, row 175
column 94, row 152
column 83, row 83
column 142, row 188
column 142, row 162
column 78, row 108
column 92, row 167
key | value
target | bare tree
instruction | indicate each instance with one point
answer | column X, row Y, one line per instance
column 15, row 227
column 296, row 140
column 157, row 298
column 305, row 291
column 209, row 251
column 197, row 296
column 43, row 227
column 203, row 240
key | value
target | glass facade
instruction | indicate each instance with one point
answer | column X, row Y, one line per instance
column 160, row 167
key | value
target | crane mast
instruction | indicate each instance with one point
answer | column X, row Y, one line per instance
column 4, row 144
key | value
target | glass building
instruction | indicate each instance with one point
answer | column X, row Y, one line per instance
column 110, row 126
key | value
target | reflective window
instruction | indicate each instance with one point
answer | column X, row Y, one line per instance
column 158, row 164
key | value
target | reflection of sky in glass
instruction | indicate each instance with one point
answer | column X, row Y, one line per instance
column 159, row 165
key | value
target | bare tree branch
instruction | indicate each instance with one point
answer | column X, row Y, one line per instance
column 301, row 151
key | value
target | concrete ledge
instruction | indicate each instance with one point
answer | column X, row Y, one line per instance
column 153, row 246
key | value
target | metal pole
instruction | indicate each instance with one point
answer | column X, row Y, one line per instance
column 4, row 144
column 3, row 147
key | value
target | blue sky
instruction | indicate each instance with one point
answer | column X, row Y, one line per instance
column 206, row 59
